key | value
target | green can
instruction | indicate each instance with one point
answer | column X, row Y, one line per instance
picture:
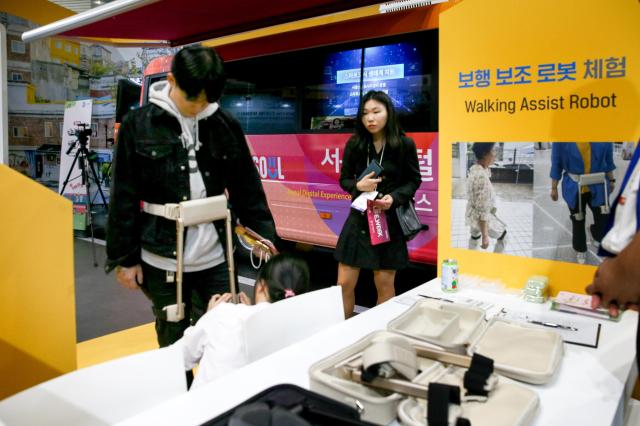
column 449, row 276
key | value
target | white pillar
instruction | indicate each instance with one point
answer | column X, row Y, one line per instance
column 4, row 109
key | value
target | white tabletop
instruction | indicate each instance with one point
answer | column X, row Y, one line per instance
column 588, row 388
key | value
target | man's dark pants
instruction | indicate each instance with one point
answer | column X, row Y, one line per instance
column 197, row 289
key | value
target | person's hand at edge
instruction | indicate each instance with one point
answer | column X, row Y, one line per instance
column 596, row 302
column 130, row 278
column 610, row 287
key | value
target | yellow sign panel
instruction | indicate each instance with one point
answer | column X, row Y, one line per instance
column 550, row 70
column 535, row 71
column 37, row 293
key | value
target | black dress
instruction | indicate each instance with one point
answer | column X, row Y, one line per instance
column 400, row 179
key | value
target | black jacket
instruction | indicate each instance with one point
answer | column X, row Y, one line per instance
column 400, row 175
column 151, row 165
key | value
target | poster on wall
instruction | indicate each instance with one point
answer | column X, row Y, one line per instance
column 538, row 117
column 75, row 143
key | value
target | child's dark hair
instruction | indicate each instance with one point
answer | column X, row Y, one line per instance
column 392, row 131
column 198, row 68
column 285, row 275
column 481, row 149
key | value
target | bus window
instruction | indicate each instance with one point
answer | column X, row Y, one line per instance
column 127, row 98
column 261, row 94
column 149, row 80
column 332, row 90
column 261, row 110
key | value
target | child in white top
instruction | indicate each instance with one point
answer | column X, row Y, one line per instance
column 480, row 214
column 215, row 342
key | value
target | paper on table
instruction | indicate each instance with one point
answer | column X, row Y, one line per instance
column 579, row 304
column 360, row 203
column 573, row 329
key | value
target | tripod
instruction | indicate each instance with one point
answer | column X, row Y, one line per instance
column 85, row 160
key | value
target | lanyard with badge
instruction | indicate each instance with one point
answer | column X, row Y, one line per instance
column 360, row 203
column 377, row 219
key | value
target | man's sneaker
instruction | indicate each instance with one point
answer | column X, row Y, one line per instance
column 581, row 257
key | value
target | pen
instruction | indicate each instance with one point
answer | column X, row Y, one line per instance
column 436, row 298
column 552, row 325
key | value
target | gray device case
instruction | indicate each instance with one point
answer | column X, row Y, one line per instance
column 454, row 332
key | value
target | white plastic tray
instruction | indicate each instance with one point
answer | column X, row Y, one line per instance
column 522, row 352
column 449, row 326
column 530, row 354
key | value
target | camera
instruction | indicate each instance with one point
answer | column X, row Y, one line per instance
column 82, row 131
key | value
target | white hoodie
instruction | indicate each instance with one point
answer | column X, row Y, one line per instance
column 202, row 249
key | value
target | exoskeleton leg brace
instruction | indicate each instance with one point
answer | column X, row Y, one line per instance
column 189, row 213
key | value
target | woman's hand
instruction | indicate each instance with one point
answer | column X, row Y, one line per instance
column 385, row 202
column 554, row 194
column 217, row 299
column 368, row 183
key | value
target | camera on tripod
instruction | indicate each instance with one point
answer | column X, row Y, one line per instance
column 84, row 159
column 82, row 131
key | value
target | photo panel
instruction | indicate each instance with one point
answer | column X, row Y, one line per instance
column 495, row 191
column 570, row 222
column 511, row 190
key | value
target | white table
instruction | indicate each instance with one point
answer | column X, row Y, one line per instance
column 590, row 388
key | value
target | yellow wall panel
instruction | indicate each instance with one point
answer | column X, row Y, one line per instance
column 116, row 345
column 37, row 298
column 492, row 34
column 39, row 11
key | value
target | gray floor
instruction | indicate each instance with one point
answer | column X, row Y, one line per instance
column 102, row 306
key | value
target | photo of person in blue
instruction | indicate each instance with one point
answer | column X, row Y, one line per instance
column 587, row 174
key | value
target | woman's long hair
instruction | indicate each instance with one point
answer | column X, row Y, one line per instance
column 392, row 131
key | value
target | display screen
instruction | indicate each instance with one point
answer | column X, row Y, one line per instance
column 393, row 68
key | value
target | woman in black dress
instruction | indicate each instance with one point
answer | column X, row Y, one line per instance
column 377, row 136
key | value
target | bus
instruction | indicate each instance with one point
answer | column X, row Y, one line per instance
column 298, row 108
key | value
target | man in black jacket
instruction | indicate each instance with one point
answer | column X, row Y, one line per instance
column 181, row 146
